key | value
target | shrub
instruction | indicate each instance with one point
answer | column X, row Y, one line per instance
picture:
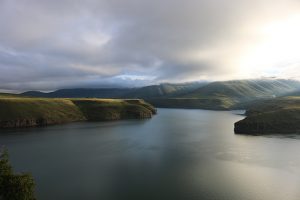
column 14, row 186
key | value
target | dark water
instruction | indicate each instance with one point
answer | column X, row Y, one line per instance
column 179, row 154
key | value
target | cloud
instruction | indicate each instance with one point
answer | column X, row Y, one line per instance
column 50, row 44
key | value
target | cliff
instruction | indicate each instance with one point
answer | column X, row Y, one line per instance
column 17, row 112
column 208, row 103
column 276, row 116
column 112, row 109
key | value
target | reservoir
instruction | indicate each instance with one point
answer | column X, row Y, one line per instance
column 177, row 155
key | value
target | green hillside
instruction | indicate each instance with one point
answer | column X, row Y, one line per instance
column 209, row 103
column 8, row 95
column 247, row 89
column 279, row 115
column 295, row 93
column 82, row 93
column 25, row 112
column 112, row 109
column 227, row 95
column 165, row 90
column 28, row 112
column 152, row 91
column 221, row 95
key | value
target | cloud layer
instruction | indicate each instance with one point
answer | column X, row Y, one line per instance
column 50, row 44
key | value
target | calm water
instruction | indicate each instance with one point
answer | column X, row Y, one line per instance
column 179, row 154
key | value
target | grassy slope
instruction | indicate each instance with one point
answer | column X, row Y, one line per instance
column 25, row 112
column 280, row 115
column 295, row 93
column 164, row 90
column 222, row 95
column 246, row 89
column 226, row 95
column 113, row 109
column 157, row 91
column 210, row 103
column 19, row 112
column 8, row 95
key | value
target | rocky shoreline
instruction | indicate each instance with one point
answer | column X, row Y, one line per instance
column 277, row 116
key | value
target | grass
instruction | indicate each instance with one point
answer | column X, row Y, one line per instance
column 8, row 95
column 37, row 111
column 280, row 115
column 16, row 111
column 246, row 89
column 227, row 95
column 209, row 103
column 112, row 109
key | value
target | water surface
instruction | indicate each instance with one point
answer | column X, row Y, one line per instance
column 178, row 154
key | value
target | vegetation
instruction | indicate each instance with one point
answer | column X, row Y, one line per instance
column 165, row 90
column 82, row 93
column 28, row 112
column 162, row 90
column 112, row 109
column 14, row 186
column 244, row 90
column 209, row 103
column 8, row 95
column 279, row 115
column 221, row 95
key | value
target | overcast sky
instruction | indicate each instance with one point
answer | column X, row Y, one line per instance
column 51, row 44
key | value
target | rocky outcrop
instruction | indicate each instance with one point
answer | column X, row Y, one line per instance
column 22, row 123
column 17, row 123
column 256, row 127
column 278, row 116
column 99, row 110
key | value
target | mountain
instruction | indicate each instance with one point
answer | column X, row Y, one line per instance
column 153, row 91
column 82, row 93
column 220, row 95
column 226, row 95
column 295, row 93
column 247, row 89
column 165, row 90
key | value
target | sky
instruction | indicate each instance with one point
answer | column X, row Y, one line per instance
column 51, row 44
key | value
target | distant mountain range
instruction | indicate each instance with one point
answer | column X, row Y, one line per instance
column 153, row 91
column 247, row 89
column 220, row 95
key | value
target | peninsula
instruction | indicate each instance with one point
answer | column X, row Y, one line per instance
column 17, row 111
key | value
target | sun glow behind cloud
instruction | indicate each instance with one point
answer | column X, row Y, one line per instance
column 278, row 51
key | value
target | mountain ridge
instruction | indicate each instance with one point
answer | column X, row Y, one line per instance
column 219, row 95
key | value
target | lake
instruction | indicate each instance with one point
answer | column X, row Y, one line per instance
column 178, row 154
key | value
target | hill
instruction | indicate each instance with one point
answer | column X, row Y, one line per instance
column 82, row 93
column 8, row 95
column 29, row 112
column 225, row 95
column 279, row 116
column 208, row 103
column 221, row 95
column 295, row 93
column 247, row 89
column 152, row 91
column 165, row 90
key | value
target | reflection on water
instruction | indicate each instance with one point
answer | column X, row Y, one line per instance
column 179, row 154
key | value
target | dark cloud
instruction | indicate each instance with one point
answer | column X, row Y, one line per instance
column 50, row 44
